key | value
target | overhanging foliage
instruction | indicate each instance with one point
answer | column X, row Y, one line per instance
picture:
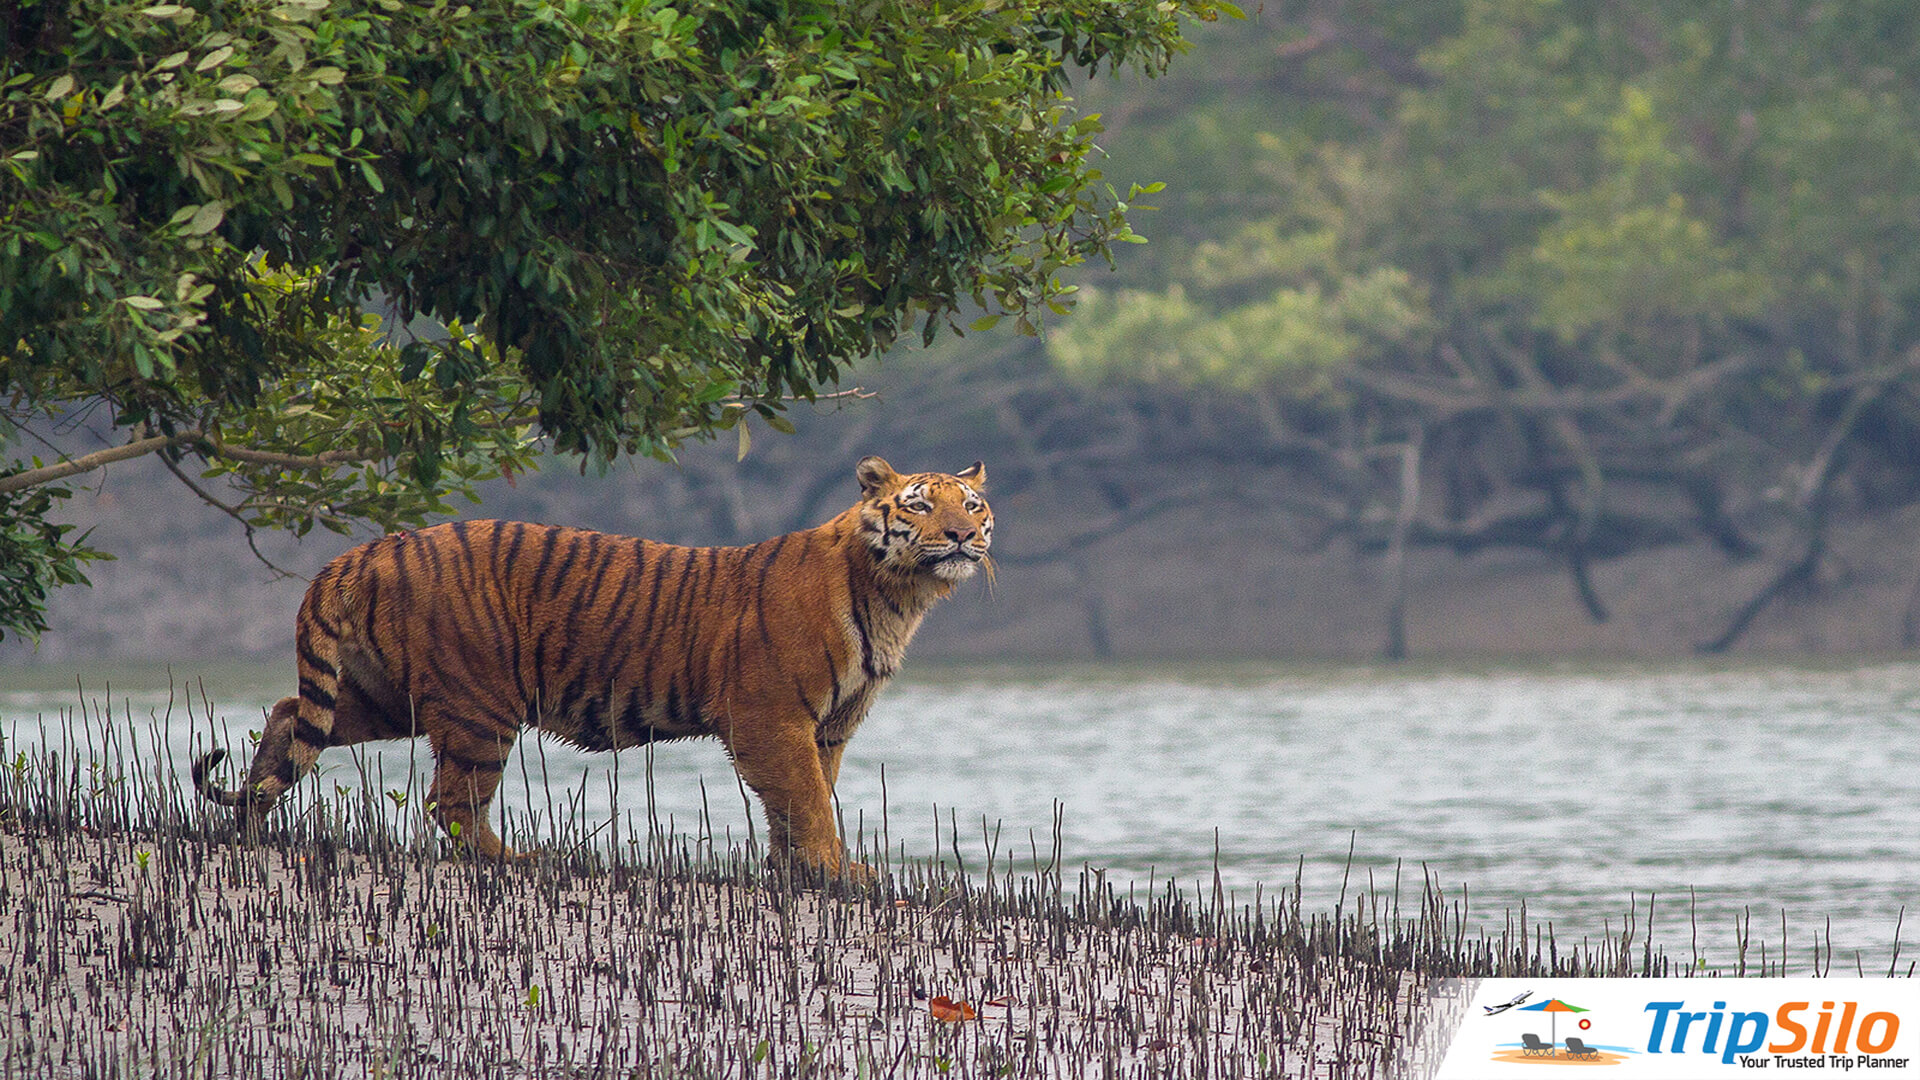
column 657, row 219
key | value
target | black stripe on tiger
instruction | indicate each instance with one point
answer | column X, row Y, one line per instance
column 475, row 608
column 311, row 691
column 806, row 699
column 662, row 568
column 550, row 538
column 560, row 579
column 519, row 530
column 760, row 602
column 857, row 611
column 478, row 730
column 324, row 583
column 314, row 660
column 833, row 674
column 595, row 730
column 617, row 631
column 306, row 732
column 633, row 716
column 402, row 581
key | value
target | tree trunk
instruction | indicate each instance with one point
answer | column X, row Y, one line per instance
column 1395, row 570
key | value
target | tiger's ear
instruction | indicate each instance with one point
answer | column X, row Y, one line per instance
column 874, row 473
column 975, row 474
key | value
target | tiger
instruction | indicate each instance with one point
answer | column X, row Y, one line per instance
column 470, row 632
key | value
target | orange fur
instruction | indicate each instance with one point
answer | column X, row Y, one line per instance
column 469, row 632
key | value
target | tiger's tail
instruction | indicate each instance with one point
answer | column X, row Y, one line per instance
column 269, row 774
column 212, row 792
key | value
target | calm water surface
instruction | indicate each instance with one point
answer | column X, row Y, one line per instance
column 1580, row 791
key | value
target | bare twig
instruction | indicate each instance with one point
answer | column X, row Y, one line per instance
column 855, row 393
column 174, row 468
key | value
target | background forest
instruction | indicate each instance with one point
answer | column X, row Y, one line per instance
column 1497, row 326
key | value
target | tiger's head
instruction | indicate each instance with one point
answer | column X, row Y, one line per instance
column 926, row 523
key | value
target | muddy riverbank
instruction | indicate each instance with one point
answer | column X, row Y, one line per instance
column 137, row 938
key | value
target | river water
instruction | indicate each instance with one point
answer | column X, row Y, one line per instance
column 1718, row 792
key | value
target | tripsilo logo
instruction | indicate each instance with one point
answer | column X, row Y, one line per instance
column 1684, row 1027
column 1576, row 1047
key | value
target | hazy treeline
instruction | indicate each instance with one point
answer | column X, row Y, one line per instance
column 1585, row 277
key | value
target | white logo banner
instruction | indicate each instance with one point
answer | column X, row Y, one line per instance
column 1678, row 1028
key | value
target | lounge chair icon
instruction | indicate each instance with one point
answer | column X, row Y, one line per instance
column 1531, row 1046
column 1578, row 1049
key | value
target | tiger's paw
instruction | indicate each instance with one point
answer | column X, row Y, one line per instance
column 807, row 870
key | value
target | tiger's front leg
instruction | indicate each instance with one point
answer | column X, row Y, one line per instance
column 830, row 753
column 783, row 767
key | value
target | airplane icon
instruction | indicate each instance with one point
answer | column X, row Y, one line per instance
column 1496, row 1010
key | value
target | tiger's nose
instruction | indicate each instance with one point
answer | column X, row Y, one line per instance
column 961, row 536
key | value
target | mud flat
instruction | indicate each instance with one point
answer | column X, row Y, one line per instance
column 139, row 939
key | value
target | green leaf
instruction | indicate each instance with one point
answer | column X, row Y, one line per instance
column 205, row 219
column 214, row 59
column 258, row 107
column 715, row 390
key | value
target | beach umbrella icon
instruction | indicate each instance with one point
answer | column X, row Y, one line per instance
column 1554, row 1007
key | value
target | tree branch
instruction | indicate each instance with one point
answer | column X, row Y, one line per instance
column 47, row 474
column 213, row 447
column 1812, row 499
column 325, row 459
column 1395, row 571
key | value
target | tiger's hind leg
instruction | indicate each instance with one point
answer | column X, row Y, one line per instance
column 465, row 776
